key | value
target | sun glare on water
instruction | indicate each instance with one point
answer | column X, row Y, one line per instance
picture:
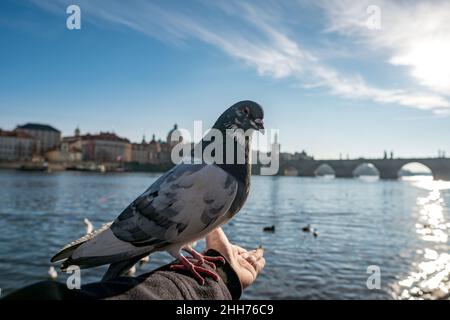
column 430, row 278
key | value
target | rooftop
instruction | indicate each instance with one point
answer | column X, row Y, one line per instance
column 38, row 126
column 14, row 134
column 109, row 136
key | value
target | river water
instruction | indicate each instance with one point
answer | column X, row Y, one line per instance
column 375, row 239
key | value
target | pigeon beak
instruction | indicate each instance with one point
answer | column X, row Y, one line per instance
column 260, row 125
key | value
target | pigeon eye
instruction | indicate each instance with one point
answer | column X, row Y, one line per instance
column 246, row 111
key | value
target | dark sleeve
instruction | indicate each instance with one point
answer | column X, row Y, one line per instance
column 161, row 283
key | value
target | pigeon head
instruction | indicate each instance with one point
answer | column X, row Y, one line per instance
column 245, row 115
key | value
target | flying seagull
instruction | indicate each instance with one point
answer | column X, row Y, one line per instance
column 182, row 206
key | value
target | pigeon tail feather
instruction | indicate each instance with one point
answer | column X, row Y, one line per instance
column 120, row 268
column 67, row 250
column 66, row 253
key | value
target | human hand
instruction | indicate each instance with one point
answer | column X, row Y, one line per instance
column 247, row 264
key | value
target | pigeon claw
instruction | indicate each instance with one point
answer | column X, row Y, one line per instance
column 202, row 262
column 195, row 264
column 202, row 259
column 196, row 271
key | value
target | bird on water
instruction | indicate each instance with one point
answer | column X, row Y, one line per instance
column 269, row 229
column 182, row 206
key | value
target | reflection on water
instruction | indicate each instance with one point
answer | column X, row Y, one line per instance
column 400, row 226
column 430, row 277
column 368, row 178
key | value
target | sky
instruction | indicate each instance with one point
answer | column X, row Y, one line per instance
column 342, row 77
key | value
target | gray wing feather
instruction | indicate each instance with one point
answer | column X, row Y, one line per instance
column 183, row 202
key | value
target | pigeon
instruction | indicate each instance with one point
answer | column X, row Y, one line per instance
column 89, row 226
column 182, row 206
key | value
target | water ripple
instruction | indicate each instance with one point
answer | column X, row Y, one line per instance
column 402, row 227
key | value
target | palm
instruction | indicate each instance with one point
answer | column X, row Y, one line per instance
column 247, row 264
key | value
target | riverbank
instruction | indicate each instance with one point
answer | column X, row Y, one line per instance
column 85, row 166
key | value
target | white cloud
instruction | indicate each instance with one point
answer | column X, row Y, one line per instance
column 284, row 57
column 259, row 40
column 414, row 34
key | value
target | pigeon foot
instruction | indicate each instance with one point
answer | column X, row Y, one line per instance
column 202, row 259
column 195, row 269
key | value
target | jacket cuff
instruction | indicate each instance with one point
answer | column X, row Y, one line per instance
column 227, row 274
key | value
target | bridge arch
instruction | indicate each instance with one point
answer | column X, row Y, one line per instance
column 324, row 170
column 366, row 170
column 388, row 168
column 414, row 171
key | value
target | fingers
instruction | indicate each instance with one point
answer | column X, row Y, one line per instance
column 257, row 265
column 255, row 259
column 259, row 252
column 244, row 253
column 240, row 250
column 260, row 264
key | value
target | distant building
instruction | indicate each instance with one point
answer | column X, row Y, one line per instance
column 159, row 152
column 46, row 136
column 166, row 147
column 140, row 153
column 276, row 144
column 286, row 156
column 154, row 150
column 172, row 142
column 108, row 147
column 16, row 145
column 104, row 147
column 101, row 147
column 296, row 156
column 64, row 153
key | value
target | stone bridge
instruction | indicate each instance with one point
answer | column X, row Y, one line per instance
column 388, row 168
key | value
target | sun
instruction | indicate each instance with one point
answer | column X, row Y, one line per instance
column 429, row 61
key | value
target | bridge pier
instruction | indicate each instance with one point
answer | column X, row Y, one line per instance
column 441, row 175
column 388, row 168
column 344, row 169
column 388, row 175
column 343, row 173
